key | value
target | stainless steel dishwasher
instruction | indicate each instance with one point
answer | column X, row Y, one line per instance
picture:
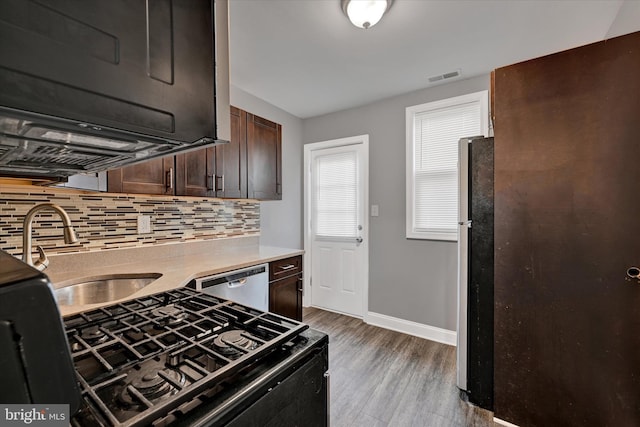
column 247, row 286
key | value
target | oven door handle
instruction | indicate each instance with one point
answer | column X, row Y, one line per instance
column 237, row 283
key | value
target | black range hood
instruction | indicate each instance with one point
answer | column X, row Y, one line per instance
column 89, row 85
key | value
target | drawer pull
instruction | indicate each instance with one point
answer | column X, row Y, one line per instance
column 287, row 267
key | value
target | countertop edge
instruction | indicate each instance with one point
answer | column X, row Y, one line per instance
column 176, row 271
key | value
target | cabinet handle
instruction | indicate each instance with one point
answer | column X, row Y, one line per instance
column 210, row 183
column 287, row 267
column 221, row 178
column 169, row 178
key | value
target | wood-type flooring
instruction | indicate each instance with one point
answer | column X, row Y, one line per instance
column 385, row 378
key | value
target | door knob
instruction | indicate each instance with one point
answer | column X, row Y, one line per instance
column 358, row 240
column 633, row 273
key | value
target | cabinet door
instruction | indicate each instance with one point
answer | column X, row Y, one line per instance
column 567, row 316
column 141, row 66
column 264, row 158
column 285, row 297
column 231, row 159
column 195, row 173
column 150, row 177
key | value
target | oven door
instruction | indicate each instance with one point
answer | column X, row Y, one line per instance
column 294, row 392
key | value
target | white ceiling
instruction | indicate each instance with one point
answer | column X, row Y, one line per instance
column 306, row 58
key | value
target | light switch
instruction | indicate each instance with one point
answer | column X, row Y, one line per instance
column 144, row 224
column 375, row 211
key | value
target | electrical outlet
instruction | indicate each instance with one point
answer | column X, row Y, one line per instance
column 144, row 224
column 375, row 210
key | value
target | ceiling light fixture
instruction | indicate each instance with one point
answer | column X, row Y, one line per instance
column 365, row 13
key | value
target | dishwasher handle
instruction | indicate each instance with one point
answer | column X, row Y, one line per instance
column 230, row 279
column 237, row 283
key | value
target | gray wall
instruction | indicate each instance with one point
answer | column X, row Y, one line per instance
column 413, row 280
column 627, row 21
column 281, row 220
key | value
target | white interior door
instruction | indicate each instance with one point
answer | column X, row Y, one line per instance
column 337, row 238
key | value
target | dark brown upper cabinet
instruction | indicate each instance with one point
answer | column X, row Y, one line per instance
column 264, row 158
column 217, row 171
column 250, row 166
column 195, row 173
column 231, row 159
column 151, row 177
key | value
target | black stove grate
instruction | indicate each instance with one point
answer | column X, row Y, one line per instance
column 138, row 360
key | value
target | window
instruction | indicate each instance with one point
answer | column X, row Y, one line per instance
column 337, row 194
column 433, row 132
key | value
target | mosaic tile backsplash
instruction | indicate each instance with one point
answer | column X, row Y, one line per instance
column 109, row 221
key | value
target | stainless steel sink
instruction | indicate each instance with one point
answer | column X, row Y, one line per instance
column 105, row 288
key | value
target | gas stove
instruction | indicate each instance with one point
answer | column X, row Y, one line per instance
column 181, row 355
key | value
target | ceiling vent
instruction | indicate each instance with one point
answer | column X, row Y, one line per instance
column 445, row 76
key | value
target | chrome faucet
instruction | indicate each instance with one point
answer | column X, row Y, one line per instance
column 69, row 234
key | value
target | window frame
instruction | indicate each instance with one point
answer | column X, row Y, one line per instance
column 481, row 97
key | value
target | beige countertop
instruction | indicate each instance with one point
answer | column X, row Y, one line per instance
column 178, row 263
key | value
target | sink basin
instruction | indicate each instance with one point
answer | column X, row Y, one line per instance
column 105, row 288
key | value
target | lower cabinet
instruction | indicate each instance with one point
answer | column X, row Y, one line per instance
column 285, row 287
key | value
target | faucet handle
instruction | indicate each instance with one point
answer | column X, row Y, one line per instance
column 42, row 262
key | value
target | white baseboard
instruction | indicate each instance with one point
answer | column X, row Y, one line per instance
column 432, row 333
column 338, row 312
column 503, row 422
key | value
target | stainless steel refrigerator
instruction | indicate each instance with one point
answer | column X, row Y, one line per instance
column 475, row 270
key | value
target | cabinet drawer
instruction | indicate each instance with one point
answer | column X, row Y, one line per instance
column 285, row 267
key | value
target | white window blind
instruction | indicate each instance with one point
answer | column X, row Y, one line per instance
column 336, row 195
column 433, row 131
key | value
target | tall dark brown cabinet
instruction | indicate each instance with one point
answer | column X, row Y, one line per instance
column 567, row 322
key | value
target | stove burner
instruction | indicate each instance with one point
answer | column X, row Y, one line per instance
column 152, row 386
column 225, row 340
column 93, row 335
column 141, row 361
column 169, row 315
